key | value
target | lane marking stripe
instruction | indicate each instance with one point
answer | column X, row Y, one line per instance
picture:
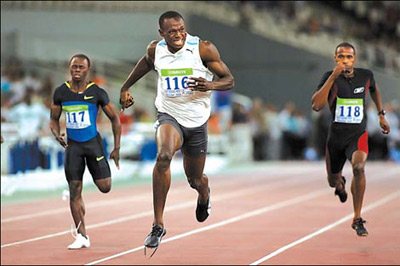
column 187, row 204
column 372, row 206
column 263, row 210
column 142, row 197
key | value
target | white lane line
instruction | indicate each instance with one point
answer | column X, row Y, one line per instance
column 263, row 210
column 246, row 215
column 102, row 203
column 187, row 204
column 372, row 206
column 142, row 197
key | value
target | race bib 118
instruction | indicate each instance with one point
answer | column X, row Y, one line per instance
column 349, row 111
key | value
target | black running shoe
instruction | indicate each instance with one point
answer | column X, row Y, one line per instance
column 154, row 238
column 342, row 193
column 358, row 225
column 203, row 211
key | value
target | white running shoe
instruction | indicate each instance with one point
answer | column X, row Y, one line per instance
column 80, row 242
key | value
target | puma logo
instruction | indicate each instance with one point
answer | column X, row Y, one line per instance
column 99, row 158
column 87, row 97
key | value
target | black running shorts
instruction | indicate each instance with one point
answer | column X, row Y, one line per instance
column 195, row 140
column 93, row 152
column 340, row 147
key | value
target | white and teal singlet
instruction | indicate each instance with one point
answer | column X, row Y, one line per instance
column 189, row 108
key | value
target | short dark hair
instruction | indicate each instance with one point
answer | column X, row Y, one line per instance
column 80, row 56
column 345, row 44
column 168, row 14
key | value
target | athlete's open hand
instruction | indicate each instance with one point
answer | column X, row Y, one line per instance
column 126, row 100
column 115, row 156
column 199, row 84
column 384, row 125
column 61, row 140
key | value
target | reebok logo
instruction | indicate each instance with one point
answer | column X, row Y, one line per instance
column 87, row 97
column 99, row 158
column 359, row 90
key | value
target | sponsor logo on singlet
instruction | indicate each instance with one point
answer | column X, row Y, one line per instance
column 358, row 90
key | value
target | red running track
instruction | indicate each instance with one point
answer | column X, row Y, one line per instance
column 277, row 213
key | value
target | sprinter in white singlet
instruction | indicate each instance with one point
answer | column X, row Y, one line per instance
column 188, row 70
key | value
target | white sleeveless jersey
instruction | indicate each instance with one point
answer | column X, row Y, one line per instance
column 189, row 108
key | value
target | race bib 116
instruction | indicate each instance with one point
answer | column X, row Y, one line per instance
column 174, row 81
column 349, row 111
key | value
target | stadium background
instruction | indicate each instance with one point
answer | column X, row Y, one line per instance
column 276, row 50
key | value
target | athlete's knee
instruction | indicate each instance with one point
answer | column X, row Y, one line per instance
column 196, row 182
column 163, row 160
column 358, row 169
column 105, row 189
column 104, row 186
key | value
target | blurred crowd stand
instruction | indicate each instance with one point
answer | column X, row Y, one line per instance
column 374, row 26
column 240, row 128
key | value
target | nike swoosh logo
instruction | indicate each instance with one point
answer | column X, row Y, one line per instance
column 99, row 158
column 87, row 97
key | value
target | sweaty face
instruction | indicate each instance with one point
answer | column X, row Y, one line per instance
column 78, row 69
column 347, row 56
column 174, row 32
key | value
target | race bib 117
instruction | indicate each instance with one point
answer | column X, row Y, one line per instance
column 77, row 116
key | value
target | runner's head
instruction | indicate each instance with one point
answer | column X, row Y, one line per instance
column 79, row 65
column 172, row 29
column 346, row 53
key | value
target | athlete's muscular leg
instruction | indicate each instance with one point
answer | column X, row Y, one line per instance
column 104, row 184
column 334, row 180
column 358, row 160
column 194, row 172
column 168, row 142
column 76, row 204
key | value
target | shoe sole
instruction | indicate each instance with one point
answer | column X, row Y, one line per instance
column 164, row 233
column 78, row 248
column 84, row 246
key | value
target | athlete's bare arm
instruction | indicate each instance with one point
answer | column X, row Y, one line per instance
column 211, row 58
column 144, row 65
column 55, row 113
column 320, row 97
column 376, row 97
column 109, row 110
